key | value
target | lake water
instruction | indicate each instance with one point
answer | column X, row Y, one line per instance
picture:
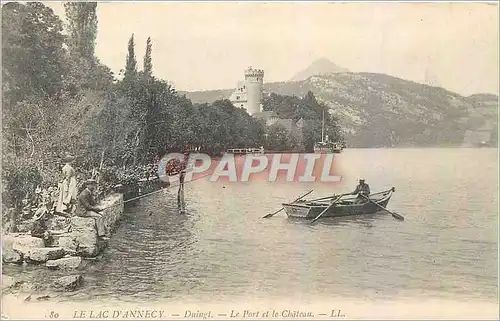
column 223, row 251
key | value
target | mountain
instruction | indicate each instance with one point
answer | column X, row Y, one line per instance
column 483, row 98
column 319, row 67
column 483, row 120
column 377, row 110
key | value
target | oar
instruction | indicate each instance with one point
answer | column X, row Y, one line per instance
column 323, row 198
column 271, row 214
column 395, row 215
column 326, row 209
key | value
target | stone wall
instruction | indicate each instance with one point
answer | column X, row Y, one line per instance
column 82, row 239
column 114, row 210
column 73, row 239
column 75, row 236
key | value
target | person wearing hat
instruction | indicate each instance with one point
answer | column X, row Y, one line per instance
column 39, row 226
column 87, row 206
column 67, row 188
column 361, row 189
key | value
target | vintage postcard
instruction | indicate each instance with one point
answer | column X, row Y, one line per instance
column 249, row 160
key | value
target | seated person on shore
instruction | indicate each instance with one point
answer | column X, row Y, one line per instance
column 40, row 229
column 361, row 189
column 87, row 206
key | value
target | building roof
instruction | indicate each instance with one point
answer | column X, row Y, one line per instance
column 265, row 115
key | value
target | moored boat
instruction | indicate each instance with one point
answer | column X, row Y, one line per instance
column 344, row 207
column 244, row 151
column 325, row 146
column 328, row 147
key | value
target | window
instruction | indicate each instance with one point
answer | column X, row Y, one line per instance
column 237, row 97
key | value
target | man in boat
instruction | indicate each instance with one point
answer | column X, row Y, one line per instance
column 87, row 207
column 361, row 189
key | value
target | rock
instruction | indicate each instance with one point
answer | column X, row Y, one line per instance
column 64, row 263
column 20, row 243
column 81, row 241
column 82, row 223
column 11, row 256
column 7, row 282
column 58, row 223
column 43, row 254
column 85, row 235
column 20, row 240
column 27, row 287
column 66, row 241
column 88, row 244
column 95, row 258
column 114, row 209
column 68, row 283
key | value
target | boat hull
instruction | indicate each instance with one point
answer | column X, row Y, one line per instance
column 311, row 210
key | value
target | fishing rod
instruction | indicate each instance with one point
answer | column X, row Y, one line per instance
column 158, row 191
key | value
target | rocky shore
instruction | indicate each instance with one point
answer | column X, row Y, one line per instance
column 74, row 243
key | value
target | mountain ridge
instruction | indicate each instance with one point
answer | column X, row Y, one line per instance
column 321, row 66
column 378, row 110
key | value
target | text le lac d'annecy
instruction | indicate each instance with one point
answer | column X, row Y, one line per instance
column 119, row 314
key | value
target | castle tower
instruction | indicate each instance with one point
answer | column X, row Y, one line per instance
column 254, row 79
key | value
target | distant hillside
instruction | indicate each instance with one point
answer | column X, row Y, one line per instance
column 482, row 120
column 482, row 98
column 319, row 67
column 378, row 110
column 207, row 96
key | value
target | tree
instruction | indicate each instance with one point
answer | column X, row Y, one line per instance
column 131, row 63
column 82, row 29
column 309, row 108
column 278, row 138
column 148, row 65
column 32, row 50
column 85, row 70
column 33, row 75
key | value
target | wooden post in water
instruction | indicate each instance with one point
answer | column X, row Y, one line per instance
column 180, row 193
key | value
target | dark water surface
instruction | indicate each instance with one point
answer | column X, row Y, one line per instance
column 223, row 249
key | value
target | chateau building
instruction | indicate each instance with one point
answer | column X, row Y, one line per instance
column 248, row 94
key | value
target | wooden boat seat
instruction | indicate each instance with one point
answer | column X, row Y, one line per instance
column 348, row 201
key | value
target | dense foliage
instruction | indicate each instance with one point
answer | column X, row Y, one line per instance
column 59, row 98
column 308, row 114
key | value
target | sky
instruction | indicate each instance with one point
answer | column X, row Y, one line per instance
column 204, row 46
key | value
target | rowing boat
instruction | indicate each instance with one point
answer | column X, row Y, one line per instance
column 344, row 207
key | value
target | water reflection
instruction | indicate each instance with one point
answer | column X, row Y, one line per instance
column 365, row 220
